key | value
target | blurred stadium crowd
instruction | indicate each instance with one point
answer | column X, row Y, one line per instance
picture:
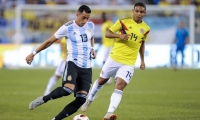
column 49, row 22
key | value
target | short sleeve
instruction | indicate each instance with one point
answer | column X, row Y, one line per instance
column 61, row 32
column 146, row 34
column 92, row 27
column 116, row 27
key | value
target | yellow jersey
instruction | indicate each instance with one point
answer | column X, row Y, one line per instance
column 107, row 42
column 63, row 44
column 126, row 51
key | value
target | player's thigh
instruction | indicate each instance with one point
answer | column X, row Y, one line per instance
column 109, row 68
column 70, row 73
column 126, row 73
column 84, row 80
column 60, row 68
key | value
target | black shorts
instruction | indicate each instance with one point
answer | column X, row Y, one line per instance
column 80, row 77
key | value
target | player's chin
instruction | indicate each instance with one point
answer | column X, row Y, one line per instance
column 82, row 24
column 138, row 18
column 142, row 68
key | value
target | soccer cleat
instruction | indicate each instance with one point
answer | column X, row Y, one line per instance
column 36, row 103
column 86, row 105
column 109, row 81
column 110, row 116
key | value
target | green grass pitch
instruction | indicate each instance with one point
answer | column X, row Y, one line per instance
column 153, row 94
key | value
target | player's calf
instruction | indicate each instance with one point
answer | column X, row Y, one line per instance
column 72, row 107
column 57, row 93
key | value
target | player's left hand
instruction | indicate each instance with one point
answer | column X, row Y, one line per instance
column 29, row 58
column 93, row 54
column 142, row 66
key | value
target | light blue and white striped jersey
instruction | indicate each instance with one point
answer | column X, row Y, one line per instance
column 78, row 42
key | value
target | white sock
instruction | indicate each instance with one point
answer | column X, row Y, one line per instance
column 115, row 100
column 95, row 88
column 51, row 84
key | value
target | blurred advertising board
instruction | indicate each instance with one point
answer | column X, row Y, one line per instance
column 13, row 56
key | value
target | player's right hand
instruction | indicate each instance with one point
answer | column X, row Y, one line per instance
column 124, row 36
column 29, row 58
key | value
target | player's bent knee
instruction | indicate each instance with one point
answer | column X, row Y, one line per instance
column 80, row 99
column 70, row 86
column 82, row 92
column 66, row 91
column 120, row 85
column 102, row 81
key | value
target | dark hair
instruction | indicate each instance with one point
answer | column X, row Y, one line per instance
column 104, row 17
column 84, row 8
column 140, row 4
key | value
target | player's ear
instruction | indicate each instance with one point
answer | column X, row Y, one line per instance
column 133, row 10
column 78, row 13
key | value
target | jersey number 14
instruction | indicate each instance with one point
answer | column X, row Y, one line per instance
column 133, row 36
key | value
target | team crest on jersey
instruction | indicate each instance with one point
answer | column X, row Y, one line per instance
column 69, row 78
column 89, row 30
column 130, row 27
column 142, row 30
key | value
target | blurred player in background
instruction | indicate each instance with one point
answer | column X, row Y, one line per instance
column 130, row 34
column 60, row 68
column 106, row 43
column 77, row 75
column 181, row 39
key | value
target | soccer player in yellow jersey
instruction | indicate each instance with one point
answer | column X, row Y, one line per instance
column 107, row 43
column 130, row 35
column 60, row 68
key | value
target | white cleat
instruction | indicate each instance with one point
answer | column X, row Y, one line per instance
column 86, row 105
column 109, row 81
column 110, row 116
column 36, row 102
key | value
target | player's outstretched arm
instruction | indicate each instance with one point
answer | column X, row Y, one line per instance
column 43, row 46
column 110, row 34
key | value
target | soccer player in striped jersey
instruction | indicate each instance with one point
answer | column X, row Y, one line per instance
column 77, row 75
column 130, row 35
column 60, row 68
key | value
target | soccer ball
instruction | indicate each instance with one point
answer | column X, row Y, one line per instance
column 80, row 117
